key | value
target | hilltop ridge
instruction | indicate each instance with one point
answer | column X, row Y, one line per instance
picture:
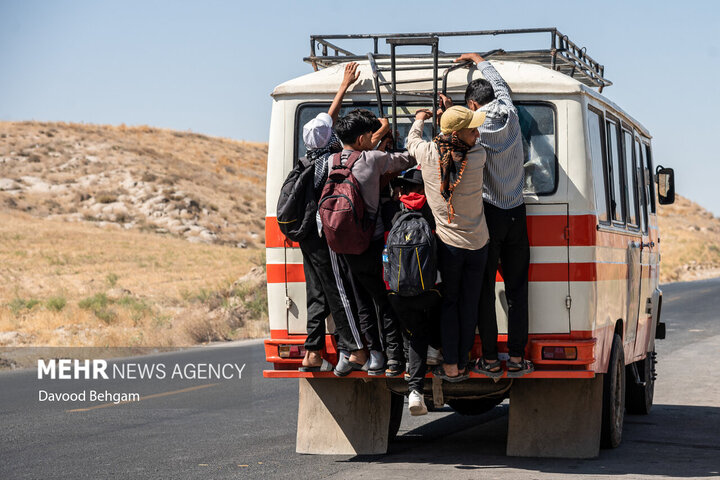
column 200, row 188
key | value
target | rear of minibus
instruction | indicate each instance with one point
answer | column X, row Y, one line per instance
column 559, row 217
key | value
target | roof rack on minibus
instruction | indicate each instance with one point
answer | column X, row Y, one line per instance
column 562, row 54
column 394, row 83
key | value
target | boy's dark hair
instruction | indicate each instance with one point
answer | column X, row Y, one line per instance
column 354, row 124
column 370, row 116
column 480, row 91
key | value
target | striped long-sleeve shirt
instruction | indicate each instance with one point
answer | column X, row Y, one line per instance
column 502, row 139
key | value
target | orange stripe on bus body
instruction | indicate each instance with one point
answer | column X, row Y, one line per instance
column 539, row 272
column 285, row 272
column 543, row 231
column 274, row 238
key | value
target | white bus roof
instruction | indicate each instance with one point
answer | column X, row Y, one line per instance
column 523, row 78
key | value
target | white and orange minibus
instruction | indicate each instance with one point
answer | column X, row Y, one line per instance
column 592, row 198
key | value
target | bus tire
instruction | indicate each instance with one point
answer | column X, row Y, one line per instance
column 613, row 405
column 397, row 405
column 474, row 406
column 639, row 398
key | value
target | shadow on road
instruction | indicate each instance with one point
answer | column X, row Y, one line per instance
column 674, row 440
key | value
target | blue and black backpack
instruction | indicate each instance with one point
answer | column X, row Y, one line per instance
column 411, row 265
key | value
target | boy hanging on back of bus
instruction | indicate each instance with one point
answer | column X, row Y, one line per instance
column 411, row 273
column 363, row 251
column 504, row 207
column 327, row 284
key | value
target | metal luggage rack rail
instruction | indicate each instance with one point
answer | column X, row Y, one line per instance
column 563, row 55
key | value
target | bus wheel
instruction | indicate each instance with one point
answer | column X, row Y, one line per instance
column 472, row 406
column 639, row 398
column 613, row 408
column 397, row 405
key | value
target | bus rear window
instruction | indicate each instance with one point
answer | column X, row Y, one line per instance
column 537, row 123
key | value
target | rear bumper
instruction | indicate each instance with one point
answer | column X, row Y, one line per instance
column 535, row 374
column 583, row 366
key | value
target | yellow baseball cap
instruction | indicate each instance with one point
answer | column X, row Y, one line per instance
column 457, row 117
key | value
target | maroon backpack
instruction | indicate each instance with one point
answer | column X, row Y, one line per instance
column 342, row 208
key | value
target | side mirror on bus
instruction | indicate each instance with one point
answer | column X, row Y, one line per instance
column 665, row 178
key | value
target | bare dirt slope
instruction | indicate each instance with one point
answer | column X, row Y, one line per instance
column 689, row 242
column 203, row 189
column 116, row 236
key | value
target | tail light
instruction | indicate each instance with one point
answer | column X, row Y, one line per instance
column 291, row 351
column 559, row 353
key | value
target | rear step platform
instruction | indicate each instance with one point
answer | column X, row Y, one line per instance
column 535, row 374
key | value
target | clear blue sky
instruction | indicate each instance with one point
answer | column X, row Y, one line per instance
column 209, row 66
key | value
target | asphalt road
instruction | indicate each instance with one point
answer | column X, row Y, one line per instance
column 245, row 428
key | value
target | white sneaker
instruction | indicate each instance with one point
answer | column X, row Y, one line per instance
column 416, row 404
column 434, row 357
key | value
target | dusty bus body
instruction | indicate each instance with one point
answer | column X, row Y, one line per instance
column 594, row 296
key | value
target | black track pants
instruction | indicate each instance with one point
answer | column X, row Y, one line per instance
column 367, row 274
column 328, row 291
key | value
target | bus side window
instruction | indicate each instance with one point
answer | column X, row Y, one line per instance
column 651, row 175
column 599, row 164
column 614, row 164
column 640, row 185
column 632, row 206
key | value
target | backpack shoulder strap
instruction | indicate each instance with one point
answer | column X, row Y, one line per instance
column 305, row 162
column 337, row 159
column 404, row 215
column 350, row 159
column 354, row 155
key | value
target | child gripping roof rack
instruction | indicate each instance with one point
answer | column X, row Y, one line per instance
column 562, row 55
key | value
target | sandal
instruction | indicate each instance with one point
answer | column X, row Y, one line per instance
column 439, row 372
column 492, row 369
column 518, row 369
column 325, row 367
column 345, row 366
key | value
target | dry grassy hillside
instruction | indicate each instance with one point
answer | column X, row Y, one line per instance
column 689, row 242
column 124, row 236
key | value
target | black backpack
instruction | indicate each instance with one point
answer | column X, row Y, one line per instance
column 297, row 205
column 411, row 266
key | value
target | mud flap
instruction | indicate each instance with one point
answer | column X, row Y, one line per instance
column 342, row 416
column 555, row 418
column 437, row 392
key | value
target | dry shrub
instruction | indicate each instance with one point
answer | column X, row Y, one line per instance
column 106, row 197
column 207, row 329
column 237, row 310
